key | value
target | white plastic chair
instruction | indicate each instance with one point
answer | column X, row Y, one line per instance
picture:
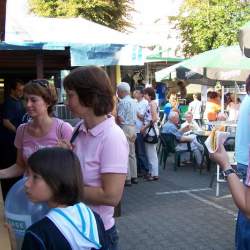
column 219, row 178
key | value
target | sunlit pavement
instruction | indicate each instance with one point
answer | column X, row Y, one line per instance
column 179, row 211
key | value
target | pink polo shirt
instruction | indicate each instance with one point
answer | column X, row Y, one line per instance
column 102, row 149
column 30, row 144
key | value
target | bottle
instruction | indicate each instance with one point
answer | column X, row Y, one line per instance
column 20, row 212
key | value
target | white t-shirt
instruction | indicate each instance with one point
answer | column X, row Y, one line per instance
column 195, row 108
column 141, row 108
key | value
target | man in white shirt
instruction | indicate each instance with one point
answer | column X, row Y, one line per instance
column 193, row 125
column 171, row 127
column 126, row 119
column 195, row 108
column 141, row 104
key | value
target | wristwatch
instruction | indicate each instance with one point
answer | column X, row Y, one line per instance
column 228, row 171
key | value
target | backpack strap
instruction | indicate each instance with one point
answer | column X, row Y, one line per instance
column 75, row 134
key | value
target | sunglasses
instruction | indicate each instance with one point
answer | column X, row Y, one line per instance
column 42, row 82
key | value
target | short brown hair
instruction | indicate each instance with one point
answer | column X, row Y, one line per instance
column 41, row 87
column 93, row 88
column 151, row 92
column 60, row 169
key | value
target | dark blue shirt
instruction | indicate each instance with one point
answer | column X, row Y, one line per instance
column 160, row 90
column 13, row 110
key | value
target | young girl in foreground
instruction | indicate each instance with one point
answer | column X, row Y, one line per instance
column 54, row 176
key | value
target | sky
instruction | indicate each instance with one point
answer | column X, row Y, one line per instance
column 147, row 10
column 150, row 10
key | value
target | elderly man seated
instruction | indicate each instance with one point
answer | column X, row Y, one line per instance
column 191, row 123
column 171, row 127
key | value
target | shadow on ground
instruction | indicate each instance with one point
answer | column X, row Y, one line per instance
column 177, row 212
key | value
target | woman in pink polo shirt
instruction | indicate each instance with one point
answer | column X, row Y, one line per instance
column 42, row 130
column 99, row 143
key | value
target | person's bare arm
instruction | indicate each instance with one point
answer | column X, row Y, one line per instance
column 185, row 139
column 140, row 116
column 119, row 120
column 153, row 110
column 14, row 170
column 240, row 193
column 109, row 193
column 7, row 124
column 185, row 129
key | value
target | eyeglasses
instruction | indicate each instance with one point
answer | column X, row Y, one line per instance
column 42, row 82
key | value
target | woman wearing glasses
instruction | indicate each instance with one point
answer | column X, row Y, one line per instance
column 42, row 130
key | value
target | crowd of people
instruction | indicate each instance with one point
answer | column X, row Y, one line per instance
column 104, row 152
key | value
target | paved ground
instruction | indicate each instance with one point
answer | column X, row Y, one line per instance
column 177, row 212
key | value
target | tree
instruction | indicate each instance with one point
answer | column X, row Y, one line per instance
column 208, row 24
column 112, row 13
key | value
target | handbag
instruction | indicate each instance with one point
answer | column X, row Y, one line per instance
column 151, row 135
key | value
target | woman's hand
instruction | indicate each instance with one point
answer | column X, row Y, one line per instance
column 143, row 129
column 64, row 144
column 11, row 236
column 221, row 157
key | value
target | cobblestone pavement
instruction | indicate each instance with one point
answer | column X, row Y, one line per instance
column 177, row 212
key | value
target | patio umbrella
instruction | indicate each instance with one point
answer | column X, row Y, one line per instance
column 244, row 39
column 226, row 64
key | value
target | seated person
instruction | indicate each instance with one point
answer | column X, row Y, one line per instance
column 171, row 105
column 171, row 127
column 193, row 125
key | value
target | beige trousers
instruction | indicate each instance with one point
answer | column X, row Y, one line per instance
column 130, row 133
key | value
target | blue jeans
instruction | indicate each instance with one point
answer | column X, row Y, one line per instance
column 141, row 157
column 112, row 238
column 242, row 232
column 242, row 171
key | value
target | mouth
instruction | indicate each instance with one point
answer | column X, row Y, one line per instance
column 27, row 193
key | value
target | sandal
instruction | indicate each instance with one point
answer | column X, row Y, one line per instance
column 155, row 178
column 150, row 178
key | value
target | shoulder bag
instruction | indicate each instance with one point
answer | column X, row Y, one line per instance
column 151, row 135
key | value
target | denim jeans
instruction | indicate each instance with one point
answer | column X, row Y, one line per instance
column 242, row 171
column 141, row 157
column 242, row 232
column 112, row 238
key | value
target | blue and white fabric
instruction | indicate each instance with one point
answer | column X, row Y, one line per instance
column 78, row 225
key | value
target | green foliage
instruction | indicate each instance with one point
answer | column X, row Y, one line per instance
column 112, row 13
column 208, row 24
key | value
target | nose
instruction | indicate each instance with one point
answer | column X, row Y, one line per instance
column 66, row 101
column 27, row 183
column 28, row 103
